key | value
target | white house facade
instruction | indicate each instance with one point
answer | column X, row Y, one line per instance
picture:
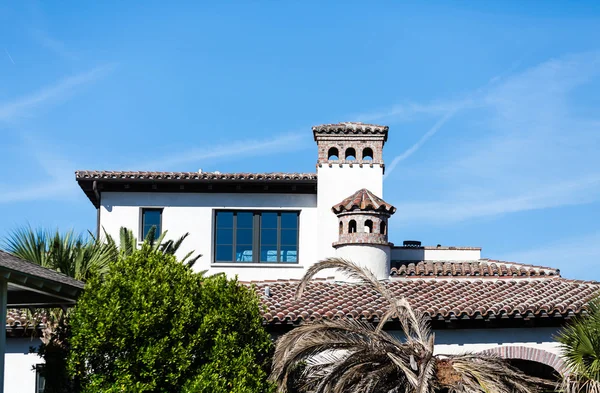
column 269, row 228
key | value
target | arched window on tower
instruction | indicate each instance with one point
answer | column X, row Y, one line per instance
column 368, row 226
column 367, row 154
column 382, row 228
column 352, row 226
column 341, row 227
column 350, row 153
column 333, row 154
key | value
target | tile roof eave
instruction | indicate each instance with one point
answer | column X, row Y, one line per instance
column 351, row 128
column 133, row 176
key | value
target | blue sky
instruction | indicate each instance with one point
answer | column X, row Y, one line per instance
column 493, row 108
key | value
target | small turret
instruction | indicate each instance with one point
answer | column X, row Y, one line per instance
column 363, row 236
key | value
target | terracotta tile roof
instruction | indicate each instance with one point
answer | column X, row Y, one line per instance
column 350, row 128
column 363, row 199
column 439, row 298
column 199, row 176
column 21, row 318
column 483, row 267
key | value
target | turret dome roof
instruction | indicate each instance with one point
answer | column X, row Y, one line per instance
column 363, row 200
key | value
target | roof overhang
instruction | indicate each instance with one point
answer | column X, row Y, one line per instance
column 30, row 285
column 94, row 183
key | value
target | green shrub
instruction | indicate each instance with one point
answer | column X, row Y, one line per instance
column 152, row 325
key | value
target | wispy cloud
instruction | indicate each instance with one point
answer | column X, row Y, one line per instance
column 574, row 256
column 449, row 110
column 9, row 56
column 234, row 150
column 459, row 207
column 407, row 111
column 56, row 46
column 432, row 131
column 25, row 106
column 55, row 181
column 529, row 143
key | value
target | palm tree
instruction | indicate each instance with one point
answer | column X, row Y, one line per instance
column 80, row 256
column 580, row 346
column 128, row 244
column 348, row 355
column 77, row 256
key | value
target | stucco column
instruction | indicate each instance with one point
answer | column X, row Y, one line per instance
column 3, row 300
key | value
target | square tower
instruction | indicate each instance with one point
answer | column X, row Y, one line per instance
column 351, row 143
column 350, row 158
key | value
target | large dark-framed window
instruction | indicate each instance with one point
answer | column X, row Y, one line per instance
column 151, row 217
column 256, row 236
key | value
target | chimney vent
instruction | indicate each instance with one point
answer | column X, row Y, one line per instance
column 411, row 243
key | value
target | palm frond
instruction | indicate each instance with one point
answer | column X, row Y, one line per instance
column 580, row 348
column 351, row 269
column 127, row 242
column 353, row 356
column 28, row 244
column 484, row 373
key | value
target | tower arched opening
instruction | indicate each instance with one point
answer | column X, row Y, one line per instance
column 367, row 154
column 333, row 154
column 368, row 226
column 350, row 153
column 352, row 226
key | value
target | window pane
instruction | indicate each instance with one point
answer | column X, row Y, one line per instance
column 289, row 237
column 224, row 253
column 268, row 236
column 268, row 254
column 269, row 220
column 224, row 236
column 243, row 253
column 244, row 236
column 150, row 218
column 244, row 219
column 289, row 220
column 224, row 219
column 289, row 254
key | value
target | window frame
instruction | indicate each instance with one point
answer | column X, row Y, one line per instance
column 40, row 379
column 141, row 229
column 256, row 236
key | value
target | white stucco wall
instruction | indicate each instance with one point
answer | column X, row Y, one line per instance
column 457, row 341
column 194, row 213
column 376, row 258
column 19, row 375
column 335, row 184
column 431, row 254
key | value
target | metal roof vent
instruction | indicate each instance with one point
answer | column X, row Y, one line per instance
column 411, row 243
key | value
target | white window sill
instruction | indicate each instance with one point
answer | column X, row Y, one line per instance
column 266, row 265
